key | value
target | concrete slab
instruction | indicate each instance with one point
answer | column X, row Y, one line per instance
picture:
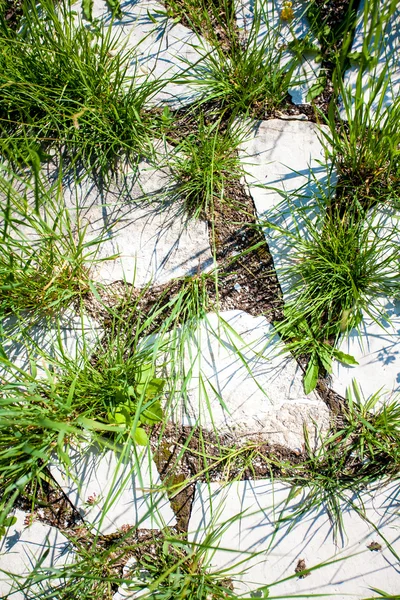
column 377, row 38
column 236, row 381
column 285, row 169
column 114, row 488
column 163, row 48
column 27, row 340
column 280, row 34
column 23, row 547
column 260, row 517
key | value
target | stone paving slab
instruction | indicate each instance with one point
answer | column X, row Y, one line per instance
column 376, row 347
column 41, row 341
column 281, row 33
column 23, row 547
column 287, row 159
column 281, row 544
column 384, row 52
column 111, row 489
column 164, row 49
column 238, row 382
column 137, row 224
column 141, row 223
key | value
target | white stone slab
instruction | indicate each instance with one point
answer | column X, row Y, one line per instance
column 376, row 347
column 383, row 47
column 235, row 380
column 279, row 33
column 281, row 544
column 23, row 547
column 27, row 339
column 137, row 224
column 140, row 219
column 285, row 168
column 163, row 49
column 111, row 488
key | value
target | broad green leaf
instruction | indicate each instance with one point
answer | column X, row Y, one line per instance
column 152, row 415
column 140, row 437
column 347, row 359
column 311, row 376
column 326, row 360
column 154, row 388
column 146, row 373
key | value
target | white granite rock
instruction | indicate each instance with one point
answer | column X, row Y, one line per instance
column 146, row 236
column 23, row 547
column 29, row 341
column 268, row 524
column 163, row 48
column 285, row 170
column 279, row 34
column 236, row 381
column 114, row 488
column 378, row 34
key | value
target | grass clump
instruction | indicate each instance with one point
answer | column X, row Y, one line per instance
column 65, row 85
column 338, row 272
column 203, row 164
column 44, row 257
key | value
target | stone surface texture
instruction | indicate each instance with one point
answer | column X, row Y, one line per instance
column 162, row 49
column 135, row 228
column 376, row 347
column 114, row 488
column 383, row 50
column 142, row 224
column 41, row 341
column 262, row 518
column 237, row 382
column 279, row 34
column 287, row 159
column 23, row 547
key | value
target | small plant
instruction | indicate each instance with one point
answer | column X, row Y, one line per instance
column 171, row 568
column 44, row 257
column 250, row 78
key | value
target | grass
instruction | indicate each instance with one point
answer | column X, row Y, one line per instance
column 203, row 164
column 45, row 258
column 66, row 88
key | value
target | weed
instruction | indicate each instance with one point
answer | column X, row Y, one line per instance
column 250, row 79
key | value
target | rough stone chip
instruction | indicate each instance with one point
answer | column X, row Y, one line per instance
column 236, row 381
column 142, row 224
column 113, row 489
column 260, row 517
column 27, row 340
column 23, row 547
